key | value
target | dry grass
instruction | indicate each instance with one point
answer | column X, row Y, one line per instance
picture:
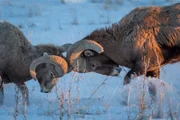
column 75, row 21
column 16, row 109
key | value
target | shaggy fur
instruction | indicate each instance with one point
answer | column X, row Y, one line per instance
column 17, row 53
column 144, row 40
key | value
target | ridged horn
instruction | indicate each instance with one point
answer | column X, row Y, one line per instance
column 65, row 47
column 60, row 63
column 74, row 52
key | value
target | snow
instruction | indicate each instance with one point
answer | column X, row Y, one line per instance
column 88, row 96
column 73, row 1
column 1, row 21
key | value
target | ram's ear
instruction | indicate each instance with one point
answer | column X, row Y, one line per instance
column 89, row 53
column 45, row 54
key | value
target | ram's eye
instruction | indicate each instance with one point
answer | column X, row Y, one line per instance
column 94, row 65
column 52, row 75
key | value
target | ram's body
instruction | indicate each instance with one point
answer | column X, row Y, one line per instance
column 139, row 34
column 144, row 40
column 17, row 55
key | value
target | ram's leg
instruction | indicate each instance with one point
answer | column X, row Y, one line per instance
column 136, row 70
column 1, row 91
column 24, row 91
column 151, row 86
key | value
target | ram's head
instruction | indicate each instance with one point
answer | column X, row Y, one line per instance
column 47, row 70
column 88, row 56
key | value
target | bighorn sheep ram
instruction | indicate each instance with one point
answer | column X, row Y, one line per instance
column 144, row 40
column 21, row 61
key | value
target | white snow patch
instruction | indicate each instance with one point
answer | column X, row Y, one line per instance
column 74, row 1
column 2, row 21
column 91, row 95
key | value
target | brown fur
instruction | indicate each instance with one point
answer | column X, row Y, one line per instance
column 146, row 37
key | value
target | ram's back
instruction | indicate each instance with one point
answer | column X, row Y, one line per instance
column 162, row 23
column 12, row 43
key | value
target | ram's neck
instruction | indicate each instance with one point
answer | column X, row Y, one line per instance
column 34, row 52
column 112, row 40
column 38, row 50
column 49, row 48
column 114, row 33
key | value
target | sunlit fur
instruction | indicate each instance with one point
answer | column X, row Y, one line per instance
column 144, row 40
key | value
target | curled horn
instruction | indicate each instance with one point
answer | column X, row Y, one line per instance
column 60, row 63
column 65, row 47
column 74, row 53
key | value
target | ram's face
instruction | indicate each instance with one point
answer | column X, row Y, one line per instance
column 87, row 56
column 47, row 70
column 99, row 63
column 47, row 77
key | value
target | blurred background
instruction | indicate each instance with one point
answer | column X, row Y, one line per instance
column 85, row 96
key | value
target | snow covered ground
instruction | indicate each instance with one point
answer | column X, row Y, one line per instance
column 85, row 96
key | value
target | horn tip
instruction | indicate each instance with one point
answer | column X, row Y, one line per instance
column 33, row 74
